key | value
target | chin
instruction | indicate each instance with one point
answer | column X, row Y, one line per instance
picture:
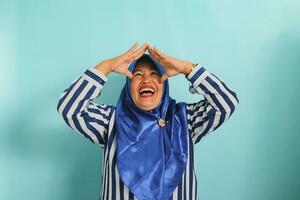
column 146, row 108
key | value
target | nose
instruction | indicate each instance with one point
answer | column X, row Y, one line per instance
column 146, row 80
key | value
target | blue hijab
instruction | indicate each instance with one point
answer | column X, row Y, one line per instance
column 150, row 158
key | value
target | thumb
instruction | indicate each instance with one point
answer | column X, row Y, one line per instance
column 163, row 78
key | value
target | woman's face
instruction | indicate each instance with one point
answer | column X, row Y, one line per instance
column 146, row 90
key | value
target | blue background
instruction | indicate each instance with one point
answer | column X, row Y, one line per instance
column 253, row 46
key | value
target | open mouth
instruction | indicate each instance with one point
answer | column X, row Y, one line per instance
column 146, row 92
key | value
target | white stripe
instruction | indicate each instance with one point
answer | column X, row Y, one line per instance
column 198, row 119
column 98, row 117
column 182, row 186
column 196, row 109
column 117, row 188
column 86, row 130
column 198, row 131
column 216, row 121
column 106, row 113
column 105, row 190
column 199, row 80
column 92, row 81
column 67, row 99
column 197, row 68
column 80, row 119
column 78, row 99
column 230, row 96
column 98, row 73
column 217, row 95
column 99, row 128
column 103, row 175
column 111, row 155
column 175, row 193
column 126, row 192
column 187, row 178
column 194, row 187
column 110, row 128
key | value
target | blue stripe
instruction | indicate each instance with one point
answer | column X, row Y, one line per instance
column 195, row 109
column 195, row 116
column 95, row 77
column 211, row 115
column 100, row 112
column 65, row 96
column 114, row 176
column 199, row 124
column 224, row 96
column 229, row 90
column 196, row 189
column 109, row 143
column 212, row 96
column 86, row 118
column 121, row 188
column 184, row 186
column 104, row 107
column 72, row 100
column 191, row 153
column 108, row 180
column 222, row 119
column 179, row 191
column 197, row 74
column 131, row 196
column 105, row 185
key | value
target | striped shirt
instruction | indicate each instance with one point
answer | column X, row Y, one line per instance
column 96, row 123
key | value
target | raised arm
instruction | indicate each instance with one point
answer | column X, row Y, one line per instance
column 218, row 105
column 80, row 113
column 75, row 104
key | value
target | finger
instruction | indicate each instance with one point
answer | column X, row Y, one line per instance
column 155, row 57
column 132, row 48
column 163, row 78
column 129, row 74
column 160, row 54
column 154, row 54
column 136, row 56
column 150, row 49
column 141, row 50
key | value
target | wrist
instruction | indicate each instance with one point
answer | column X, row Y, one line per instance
column 188, row 68
column 103, row 67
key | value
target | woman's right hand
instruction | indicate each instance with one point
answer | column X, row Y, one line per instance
column 120, row 63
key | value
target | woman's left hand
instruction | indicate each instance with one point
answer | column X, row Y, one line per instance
column 171, row 65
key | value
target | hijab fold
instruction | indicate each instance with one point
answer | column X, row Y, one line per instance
column 151, row 159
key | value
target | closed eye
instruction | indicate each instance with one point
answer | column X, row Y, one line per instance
column 138, row 74
column 155, row 73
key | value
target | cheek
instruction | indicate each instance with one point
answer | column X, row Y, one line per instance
column 160, row 90
column 133, row 88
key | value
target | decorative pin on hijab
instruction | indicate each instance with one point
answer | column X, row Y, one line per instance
column 162, row 122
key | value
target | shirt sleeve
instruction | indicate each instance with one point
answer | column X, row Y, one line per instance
column 80, row 113
column 217, row 106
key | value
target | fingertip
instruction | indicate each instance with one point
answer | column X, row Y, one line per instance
column 129, row 75
column 163, row 78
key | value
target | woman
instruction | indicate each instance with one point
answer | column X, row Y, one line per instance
column 148, row 138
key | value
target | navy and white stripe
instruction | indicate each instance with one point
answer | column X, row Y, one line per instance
column 96, row 122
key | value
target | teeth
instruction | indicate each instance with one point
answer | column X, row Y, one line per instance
column 146, row 90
